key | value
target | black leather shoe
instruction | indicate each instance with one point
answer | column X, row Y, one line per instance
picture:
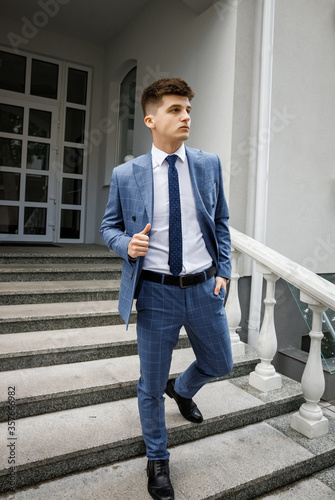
column 159, row 484
column 187, row 407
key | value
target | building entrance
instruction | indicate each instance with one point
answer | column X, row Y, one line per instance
column 43, row 118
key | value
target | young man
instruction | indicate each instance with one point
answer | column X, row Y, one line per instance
column 167, row 218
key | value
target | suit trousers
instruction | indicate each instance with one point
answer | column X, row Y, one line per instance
column 161, row 312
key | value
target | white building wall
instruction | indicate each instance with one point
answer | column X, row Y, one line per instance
column 301, row 196
column 301, row 210
column 53, row 45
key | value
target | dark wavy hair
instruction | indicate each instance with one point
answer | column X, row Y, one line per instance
column 154, row 93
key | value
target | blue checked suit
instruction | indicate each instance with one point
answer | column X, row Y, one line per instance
column 160, row 314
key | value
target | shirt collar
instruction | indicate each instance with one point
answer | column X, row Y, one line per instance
column 158, row 156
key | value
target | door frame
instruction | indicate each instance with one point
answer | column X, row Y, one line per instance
column 58, row 107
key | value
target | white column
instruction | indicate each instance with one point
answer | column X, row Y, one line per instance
column 261, row 168
column 265, row 378
column 233, row 308
column 309, row 420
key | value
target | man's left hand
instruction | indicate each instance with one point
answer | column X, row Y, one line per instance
column 220, row 283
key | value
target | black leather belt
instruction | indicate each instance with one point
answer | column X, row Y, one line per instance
column 185, row 281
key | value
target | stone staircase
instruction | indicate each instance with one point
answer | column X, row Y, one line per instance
column 69, row 370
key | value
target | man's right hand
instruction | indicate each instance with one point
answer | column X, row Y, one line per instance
column 139, row 244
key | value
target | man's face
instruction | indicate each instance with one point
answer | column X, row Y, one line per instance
column 170, row 122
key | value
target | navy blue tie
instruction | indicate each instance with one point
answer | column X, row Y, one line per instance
column 175, row 234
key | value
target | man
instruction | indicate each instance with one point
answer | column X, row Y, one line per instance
column 167, row 218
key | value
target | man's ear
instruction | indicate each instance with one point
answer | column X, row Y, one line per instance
column 150, row 121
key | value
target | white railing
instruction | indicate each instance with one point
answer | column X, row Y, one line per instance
column 318, row 293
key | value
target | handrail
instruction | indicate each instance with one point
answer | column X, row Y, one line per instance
column 317, row 292
column 307, row 281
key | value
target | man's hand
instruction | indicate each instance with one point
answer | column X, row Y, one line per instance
column 139, row 244
column 220, row 283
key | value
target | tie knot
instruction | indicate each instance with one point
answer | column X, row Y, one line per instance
column 171, row 159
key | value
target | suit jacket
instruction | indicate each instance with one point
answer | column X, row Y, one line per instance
column 130, row 208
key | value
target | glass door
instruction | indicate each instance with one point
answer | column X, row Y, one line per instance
column 44, row 132
column 28, row 170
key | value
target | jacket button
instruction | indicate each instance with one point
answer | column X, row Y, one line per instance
column 134, row 217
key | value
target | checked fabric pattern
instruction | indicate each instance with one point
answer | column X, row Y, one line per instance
column 175, row 233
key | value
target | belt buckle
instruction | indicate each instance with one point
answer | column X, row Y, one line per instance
column 181, row 284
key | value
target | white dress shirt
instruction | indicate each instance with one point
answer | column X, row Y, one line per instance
column 196, row 257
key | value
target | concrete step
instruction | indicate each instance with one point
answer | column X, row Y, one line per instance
column 55, row 347
column 320, row 485
column 56, row 316
column 42, row 292
column 60, row 254
column 127, row 480
column 52, row 445
column 100, row 482
column 55, row 388
column 59, row 272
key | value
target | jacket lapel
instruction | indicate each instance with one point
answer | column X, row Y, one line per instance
column 195, row 163
column 143, row 175
column 197, row 174
column 198, row 178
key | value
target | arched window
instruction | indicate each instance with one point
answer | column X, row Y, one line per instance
column 126, row 116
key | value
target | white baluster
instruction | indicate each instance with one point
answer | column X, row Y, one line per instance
column 265, row 378
column 233, row 308
column 309, row 420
